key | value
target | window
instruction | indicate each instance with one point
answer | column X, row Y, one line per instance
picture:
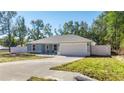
column 47, row 47
column 55, row 47
column 33, row 47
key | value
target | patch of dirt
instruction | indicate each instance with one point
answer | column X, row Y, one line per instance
column 121, row 58
column 121, row 51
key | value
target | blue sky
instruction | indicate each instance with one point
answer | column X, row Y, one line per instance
column 58, row 18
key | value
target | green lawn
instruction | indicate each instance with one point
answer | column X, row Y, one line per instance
column 40, row 79
column 98, row 68
column 122, row 44
column 6, row 57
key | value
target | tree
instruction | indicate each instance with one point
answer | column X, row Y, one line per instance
column 65, row 29
column 5, row 41
column 70, row 27
column 37, row 31
column 20, row 30
column 99, row 30
column 6, row 24
column 55, row 31
column 58, row 31
column 108, row 29
column 83, row 29
column 115, row 26
column 47, row 30
column 76, row 28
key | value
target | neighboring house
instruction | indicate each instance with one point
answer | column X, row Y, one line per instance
column 67, row 45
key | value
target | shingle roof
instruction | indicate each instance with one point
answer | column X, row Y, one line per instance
column 61, row 39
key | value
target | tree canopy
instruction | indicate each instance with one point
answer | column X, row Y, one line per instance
column 6, row 24
column 108, row 29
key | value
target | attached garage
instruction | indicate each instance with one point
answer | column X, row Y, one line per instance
column 73, row 49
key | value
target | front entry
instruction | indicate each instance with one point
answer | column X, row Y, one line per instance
column 51, row 49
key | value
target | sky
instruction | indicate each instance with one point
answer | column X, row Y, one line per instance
column 58, row 18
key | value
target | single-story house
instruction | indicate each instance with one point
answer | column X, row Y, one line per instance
column 67, row 45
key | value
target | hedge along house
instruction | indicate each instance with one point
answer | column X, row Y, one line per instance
column 67, row 45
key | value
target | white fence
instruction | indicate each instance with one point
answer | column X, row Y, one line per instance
column 18, row 49
column 101, row 50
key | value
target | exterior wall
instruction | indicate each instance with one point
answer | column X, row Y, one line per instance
column 89, row 48
column 73, row 49
column 39, row 48
column 18, row 49
column 29, row 47
column 42, row 49
column 101, row 50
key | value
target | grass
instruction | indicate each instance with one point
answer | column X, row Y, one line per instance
column 100, row 68
column 7, row 57
column 33, row 78
column 122, row 44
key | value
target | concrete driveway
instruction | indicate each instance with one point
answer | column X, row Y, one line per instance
column 23, row 70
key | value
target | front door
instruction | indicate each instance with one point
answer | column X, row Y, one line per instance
column 55, row 48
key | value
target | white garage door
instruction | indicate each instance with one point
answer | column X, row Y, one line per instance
column 73, row 49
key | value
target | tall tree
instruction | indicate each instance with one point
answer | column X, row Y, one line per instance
column 59, row 31
column 83, row 31
column 68, row 28
column 108, row 29
column 99, row 30
column 71, row 27
column 37, row 30
column 48, row 30
column 65, row 29
column 115, row 26
column 76, row 28
column 20, row 30
column 6, row 24
column 14, row 41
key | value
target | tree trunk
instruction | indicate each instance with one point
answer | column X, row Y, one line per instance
column 9, row 42
column 21, row 43
column 9, row 49
column 9, row 35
